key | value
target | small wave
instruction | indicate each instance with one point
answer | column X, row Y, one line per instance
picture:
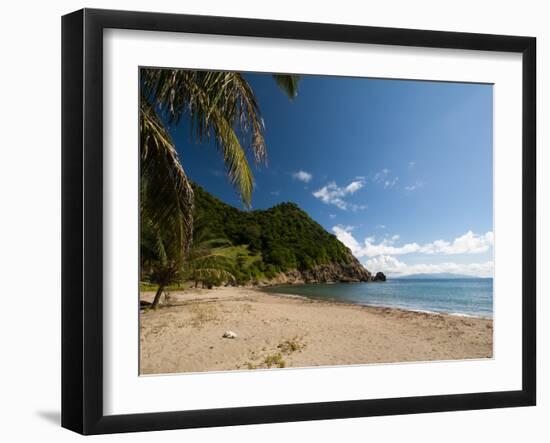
column 403, row 308
column 423, row 311
column 283, row 294
column 454, row 314
column 460, row 314
column 426, row 311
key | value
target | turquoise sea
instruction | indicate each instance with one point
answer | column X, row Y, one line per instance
column 464, row 296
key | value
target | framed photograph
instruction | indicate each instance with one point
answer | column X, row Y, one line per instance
column 269, row 221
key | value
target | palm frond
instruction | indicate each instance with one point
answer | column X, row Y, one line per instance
column 221, row 105
column 166, row 196
column 288, row 83
column 204, row 274
column 238, row 168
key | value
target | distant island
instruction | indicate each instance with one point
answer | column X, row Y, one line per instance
column 439, row 275
column 280, row 245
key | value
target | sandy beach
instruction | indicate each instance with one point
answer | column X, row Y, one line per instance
column 185, row 334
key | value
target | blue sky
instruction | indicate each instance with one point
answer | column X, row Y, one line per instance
column 401, row 171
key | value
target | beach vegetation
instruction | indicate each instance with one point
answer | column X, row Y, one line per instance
column 274, row 360
column 161, row 254
column 209, row 262
column 291, row 345
column 202, row 313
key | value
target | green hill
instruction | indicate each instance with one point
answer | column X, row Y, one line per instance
column 278, row 245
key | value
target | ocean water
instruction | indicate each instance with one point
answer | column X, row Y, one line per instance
column 465, row 296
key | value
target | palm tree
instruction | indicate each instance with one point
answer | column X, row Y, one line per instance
column 161, row 257
column 220, row 106
column 210, row 262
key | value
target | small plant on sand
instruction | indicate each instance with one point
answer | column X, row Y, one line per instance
column 291, row 345
column 274, row 360
column 202, row 313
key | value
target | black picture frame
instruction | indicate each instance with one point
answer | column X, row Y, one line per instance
column 82, row 219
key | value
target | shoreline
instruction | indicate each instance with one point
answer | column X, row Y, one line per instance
column 366, row 305
column 268, row 290
column 283, row 330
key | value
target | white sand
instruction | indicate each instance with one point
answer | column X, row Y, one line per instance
column 185, row 334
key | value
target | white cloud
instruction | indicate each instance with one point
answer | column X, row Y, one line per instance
column 381, row 175
column 414, row 186
column 347, row 228
column 412, row 165
column 345, row 237
column 469, row 243
column 392, row 266
column 390, row 183
column 332, row 194
column 380, row 226
column 381, row 255
column 332, row 216
column 303, row 176
column 276, row 193
column 354, row 186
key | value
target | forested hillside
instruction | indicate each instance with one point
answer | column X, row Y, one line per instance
column 282, row 242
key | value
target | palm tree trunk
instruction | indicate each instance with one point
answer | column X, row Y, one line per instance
column 157, row 296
